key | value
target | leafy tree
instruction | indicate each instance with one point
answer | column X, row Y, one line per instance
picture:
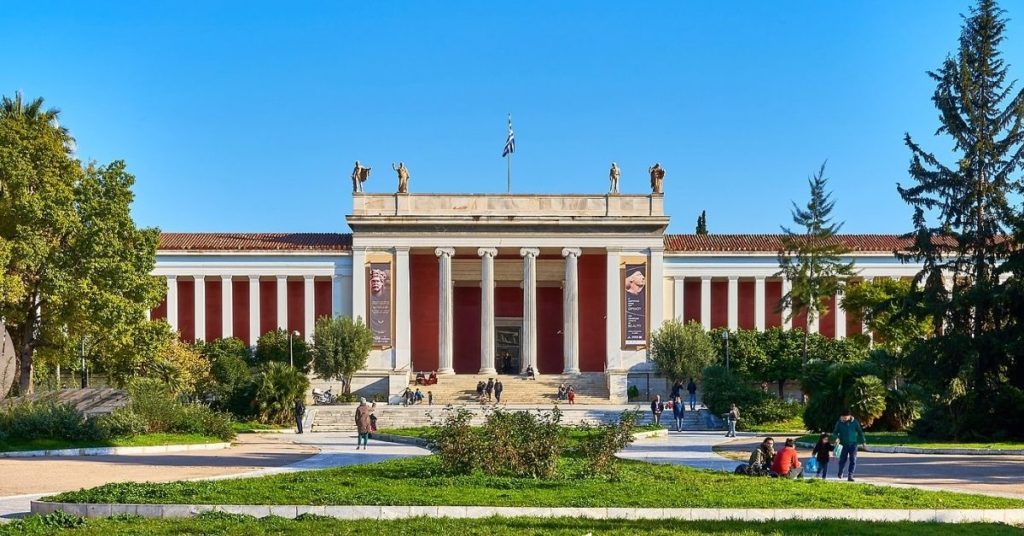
column 69, row 243
column 183, row 369
column 225, row 347
column 702, row 223
column 341, row 346
column 681, row 351
column 783, row 351
column 963, row 213
column 888, row 310
column 274, row 346
column 812, row 258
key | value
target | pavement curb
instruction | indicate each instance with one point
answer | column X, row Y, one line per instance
column 922, row 450
column 113, row 451
column 168, row 511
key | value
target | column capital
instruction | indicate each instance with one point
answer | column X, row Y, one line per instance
column 734, row 278
column 308, row 277
column 705, row 278
column 282, row 277
column 401, row 249
column 575, row 252
column 529, row 252
column 447, row 252
column 760, row 277
column 254, row 278
column 487, row 252
column 172, row 278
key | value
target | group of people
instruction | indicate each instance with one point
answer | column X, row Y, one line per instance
column 423, row 378
column 489, row 390
column 566, row 392
column 410, row 397
column 764, row 461
column 675, row 403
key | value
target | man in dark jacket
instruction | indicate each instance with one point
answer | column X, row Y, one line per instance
column 657, row 407
column 850, row 435
column 489, row 388
column 498, row 388
column 691, row 389
column 300, row 410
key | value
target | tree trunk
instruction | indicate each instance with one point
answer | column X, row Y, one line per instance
column 25, row 370
column 782, row 389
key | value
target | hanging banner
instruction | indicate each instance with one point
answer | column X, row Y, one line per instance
column 379, row 283
column 635, row 304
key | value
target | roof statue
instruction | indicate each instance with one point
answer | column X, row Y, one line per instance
column 403, row 177
column 359, row 176
column 657, row 178
column 613, row 178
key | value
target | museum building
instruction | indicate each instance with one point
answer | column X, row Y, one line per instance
column 494, row 283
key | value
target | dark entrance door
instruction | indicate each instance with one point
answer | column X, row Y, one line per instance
column 507, row 349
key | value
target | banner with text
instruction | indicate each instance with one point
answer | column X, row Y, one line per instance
column 635, row 304
column 379, row 283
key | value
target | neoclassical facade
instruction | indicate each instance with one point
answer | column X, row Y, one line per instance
column 494, row 283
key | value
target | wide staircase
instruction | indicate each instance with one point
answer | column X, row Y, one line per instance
column 341, row 418
column 591, row 388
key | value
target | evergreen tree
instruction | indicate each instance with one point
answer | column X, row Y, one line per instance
column 964, row 212
column 812, row 258
column 702, row 223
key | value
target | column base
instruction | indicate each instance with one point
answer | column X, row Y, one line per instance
column 571, row 371
column 446, row 371
column 488, row 370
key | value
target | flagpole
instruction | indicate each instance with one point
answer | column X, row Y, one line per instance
column 509, row 161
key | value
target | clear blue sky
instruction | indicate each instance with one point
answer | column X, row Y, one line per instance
column 247, row 116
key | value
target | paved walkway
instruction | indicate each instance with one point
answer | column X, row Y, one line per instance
column 254, row 455
column 990, row 475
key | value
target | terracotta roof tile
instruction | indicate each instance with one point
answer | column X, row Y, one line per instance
column 773, row 242
column 255, row 242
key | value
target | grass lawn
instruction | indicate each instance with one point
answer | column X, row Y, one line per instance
column 420, row 481
column 249, row 427
column 792, row 426
column 317, row 526
column 145, row 440
column 902, row 439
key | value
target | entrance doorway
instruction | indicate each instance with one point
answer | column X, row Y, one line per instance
column 508, row 347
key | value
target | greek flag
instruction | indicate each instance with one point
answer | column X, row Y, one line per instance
column 510, row 143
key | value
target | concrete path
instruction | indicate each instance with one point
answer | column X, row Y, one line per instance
column 693, row 449
column 255, row 455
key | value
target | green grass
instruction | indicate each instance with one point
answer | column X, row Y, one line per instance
column 791, row 426
column 421, row 481
column 145, row 440
column 250, row 427
column 318, row 526
column 902, row 439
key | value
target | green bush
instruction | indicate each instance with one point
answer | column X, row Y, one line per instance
column 276, row 387
column 458, row 445
column 272, row 346
column 768, row 408
column 232, row 389
column 832, row 387
column 122, row 422
column 601, row 443
column 522, row 443
column 902, row 409
column 45, row 418
column 163, row 413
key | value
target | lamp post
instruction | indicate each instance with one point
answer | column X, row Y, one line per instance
column 725, row 337
column 85, row 377
column 291, row 353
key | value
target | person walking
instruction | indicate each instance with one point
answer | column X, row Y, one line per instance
column 570, row 393
column 691, row 389
column 822, row 452
column 498, row 388
column 300, row 411
column 480, row 386
column 731, row 418
column 677, row 412
column 786, row 463
column 657, row 407
column 363, row 424
column 850, row 435
column 430, row 398
column 489, row 388
column 677, row 388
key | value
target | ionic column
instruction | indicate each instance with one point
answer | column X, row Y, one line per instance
column 282, row 302
column 733, row 310
column 840, row 317
column 336, row 305
column 403, row 321
column 678, row 297
column 172, row 302
column 199, row 306
column 787, row 311
column 487, row 309
column 656, row 290
column 308, row 314
column 227, row 307
column 254, row 309
column 613, row 312
column 863, row 322
column 359, row 284
column 571, row 312
column 705, row 302
column 445, row 317
column 759, row 323
column 529, row 307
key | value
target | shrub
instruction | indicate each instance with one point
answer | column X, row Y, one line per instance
column 768, row 408
column 232, row 389
column 522, row 444
column 122, row 422
column 163, row 413
column 831, row 387
column 183, row 369
column 600, row 443
column 340, row 347
column 45, row 418
column 458, row 446
column 681, row 351
column 272, row 346
column 722, row 388
column 276, row 387
column 902, row 409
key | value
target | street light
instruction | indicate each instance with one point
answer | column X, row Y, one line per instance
column 291, row 353
column 725, row 336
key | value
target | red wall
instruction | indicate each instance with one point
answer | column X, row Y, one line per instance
column 160, row 311
column 550, row 323
column 268, row 306
column 593, row 301
column 827, row 322
column 508, row 302
column 323, row 296
column 800, row 320
column 187, row 310
column 240, row 310
column 297, row 307
column 466, row 343
column 746, row 305
column 719, row 304
column 214, row 309
column 772, row 295
column 691, row 301
column 423, row 291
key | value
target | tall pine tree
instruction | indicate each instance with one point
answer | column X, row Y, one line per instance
column 702, row 223
column 963, row 212
column 811, row 258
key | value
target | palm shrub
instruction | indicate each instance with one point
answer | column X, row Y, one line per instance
column 276, row 387
column 831, row 387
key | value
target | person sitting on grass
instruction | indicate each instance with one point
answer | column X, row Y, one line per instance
column 821, row 452
column 786, row 463
column 760, row 461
